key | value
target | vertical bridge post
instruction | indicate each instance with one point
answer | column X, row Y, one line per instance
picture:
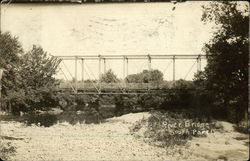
column 82, row 73
column 127, row 66
column 126, row 74
column 124, row 67
column 173, row 68
column 76, row 58
column 198, row 63
column 104, row 65
column 99, row 72
column 149, row 69
column 124, row 71
column 149, row 62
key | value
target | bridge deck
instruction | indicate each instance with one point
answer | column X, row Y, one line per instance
column 121, row 88
column 90, row 85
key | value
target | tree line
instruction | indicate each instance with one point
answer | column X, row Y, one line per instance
column 146, row 76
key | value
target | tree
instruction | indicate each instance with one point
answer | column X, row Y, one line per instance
column 28, row 81
column 156, row 76
column 10, row 52
column 36, row 81
column 226, row 74
column 38, row 69
column 146, row 76
column 109, row 77
column 134, row 78
column 183, row 84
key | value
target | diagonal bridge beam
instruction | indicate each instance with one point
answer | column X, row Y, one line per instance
column 125, row 59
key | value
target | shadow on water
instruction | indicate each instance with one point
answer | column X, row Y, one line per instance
column 80, row 110
column 48, row 119
column 71, row 117
column 74, row 117
column 87, row 116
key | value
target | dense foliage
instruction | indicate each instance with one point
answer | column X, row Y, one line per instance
column 146, row 76
column 10, row 52
column 226, row 74
column 168, row 129
column 109, row 77
column 38, row 83
column 6, row 150
column 27, row 82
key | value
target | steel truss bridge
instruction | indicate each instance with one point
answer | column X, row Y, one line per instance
column 98, row 87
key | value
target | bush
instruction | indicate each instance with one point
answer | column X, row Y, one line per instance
column 243, row 127
column 109, row 77
column 65, row 100
column 45, row 120
column 146, row 76
column 148, row 101
column 171, row 128
column 6, row 150
column 179, row 99
column 125, row 104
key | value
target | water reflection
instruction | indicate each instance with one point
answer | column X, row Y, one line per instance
column 87, row 115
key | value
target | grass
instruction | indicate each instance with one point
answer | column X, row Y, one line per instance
column 171, row 128
column 6, row 150
column 242, row 127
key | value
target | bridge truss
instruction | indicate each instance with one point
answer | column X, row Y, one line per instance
column 120, row 88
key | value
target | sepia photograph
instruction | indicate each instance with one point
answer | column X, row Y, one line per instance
column 124, row 80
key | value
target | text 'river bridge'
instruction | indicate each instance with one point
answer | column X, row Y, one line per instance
column 122, row 87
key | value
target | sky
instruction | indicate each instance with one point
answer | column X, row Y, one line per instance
column 117, row 28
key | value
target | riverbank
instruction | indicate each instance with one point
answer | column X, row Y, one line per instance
column 112, row 140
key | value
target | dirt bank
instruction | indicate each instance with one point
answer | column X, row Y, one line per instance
column 112, row 140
